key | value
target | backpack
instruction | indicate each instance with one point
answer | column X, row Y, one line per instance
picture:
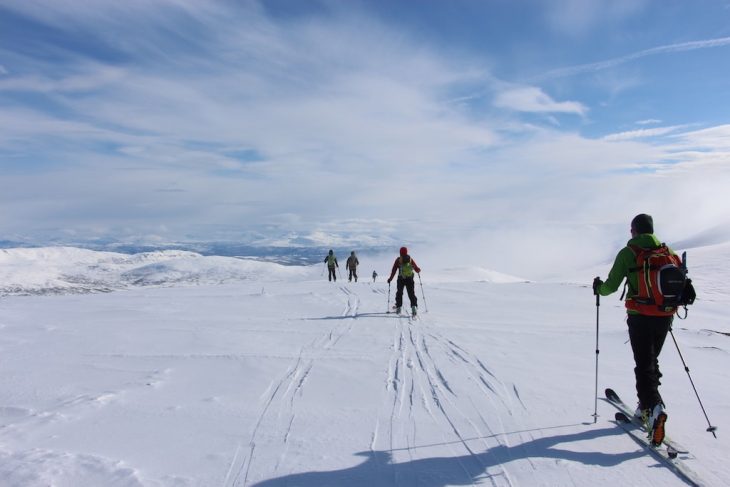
column 662, row 280
column 406, row 267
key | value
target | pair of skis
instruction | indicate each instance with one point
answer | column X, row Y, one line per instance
column 671, row 450
column 402, row 313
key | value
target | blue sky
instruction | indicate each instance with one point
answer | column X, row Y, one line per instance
column 381, row 121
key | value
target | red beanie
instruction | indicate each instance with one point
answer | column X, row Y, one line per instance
column 403, row 251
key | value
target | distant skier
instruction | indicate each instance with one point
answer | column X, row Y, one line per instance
column 648, row 323
column 375, row 275
column 331, row 261
column 351, row 265
column 405, row 266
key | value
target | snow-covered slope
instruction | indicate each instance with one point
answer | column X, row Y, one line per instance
column 707, row 266
column 64, row 270
column 275, row 377
column 471, row 274
column 68, row 270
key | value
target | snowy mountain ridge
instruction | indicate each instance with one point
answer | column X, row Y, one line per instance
column 69, row 270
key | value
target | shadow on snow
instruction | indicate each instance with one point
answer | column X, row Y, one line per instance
column 383, row 314
column 379, row 470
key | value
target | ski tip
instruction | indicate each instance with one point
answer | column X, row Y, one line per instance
column 672, row 452
column 612, row 396
column 621, row 418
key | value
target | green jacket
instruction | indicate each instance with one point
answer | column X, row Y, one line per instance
column 625, row 260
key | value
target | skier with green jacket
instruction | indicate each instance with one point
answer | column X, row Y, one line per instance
column 331, row 262
column 647, row 328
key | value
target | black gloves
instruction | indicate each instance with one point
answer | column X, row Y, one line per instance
column 597, row 283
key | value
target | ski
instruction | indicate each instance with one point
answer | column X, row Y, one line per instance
column 666, row 456
column 403, row 313
column 622, row 419
column 616, row 401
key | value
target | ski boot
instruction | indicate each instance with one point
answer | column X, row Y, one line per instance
column 656, row 424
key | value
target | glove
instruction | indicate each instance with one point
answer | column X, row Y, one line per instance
column 390, row 279
column 597, row 283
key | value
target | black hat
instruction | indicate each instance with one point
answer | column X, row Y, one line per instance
column 643, row 223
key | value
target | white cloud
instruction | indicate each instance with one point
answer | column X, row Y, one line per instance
column 342, row 118
column 649, row 121
column 611, row 63
column 709, row 139
column 355, row 128
column 533, row 99
column 643, row 133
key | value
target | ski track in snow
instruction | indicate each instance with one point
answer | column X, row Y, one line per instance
column 415, row 384
column 278, row 412
column 415, row 381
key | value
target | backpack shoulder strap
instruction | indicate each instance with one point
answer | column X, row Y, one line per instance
column 637, row 251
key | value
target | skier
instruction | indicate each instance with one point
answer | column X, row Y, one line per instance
column 405, row 266
column 647, row 330
column 375, row 275
column 351, row 265
column 331, row 261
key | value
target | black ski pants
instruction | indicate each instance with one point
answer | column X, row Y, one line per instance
column 647, row 334
column 408, row 283
column 331, row 275
column 353, row 273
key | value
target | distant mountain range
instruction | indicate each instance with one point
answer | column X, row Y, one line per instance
column 68, row 270
column 280, row 254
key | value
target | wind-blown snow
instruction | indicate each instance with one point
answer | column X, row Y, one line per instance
column 212, row 371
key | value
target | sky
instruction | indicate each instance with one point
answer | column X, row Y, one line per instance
column 472, row 124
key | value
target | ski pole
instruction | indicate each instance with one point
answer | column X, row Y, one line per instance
column 595, row 404
column 387, row 310
column 425, row 306
column 710, row 428
column 323, row 268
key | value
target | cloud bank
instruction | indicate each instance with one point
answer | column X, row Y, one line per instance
column 206, row 120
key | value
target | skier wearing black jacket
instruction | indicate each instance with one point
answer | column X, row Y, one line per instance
column 351, row 266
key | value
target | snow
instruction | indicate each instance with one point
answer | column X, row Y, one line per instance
column 214, row 371
column 63, row 270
